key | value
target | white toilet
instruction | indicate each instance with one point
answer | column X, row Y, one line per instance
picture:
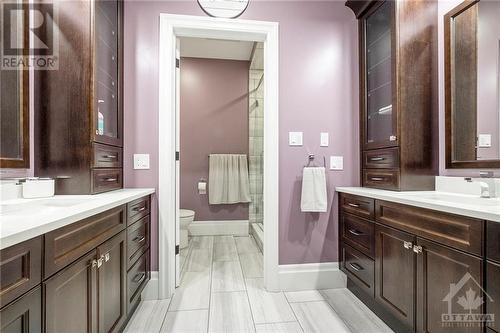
column 186, row 217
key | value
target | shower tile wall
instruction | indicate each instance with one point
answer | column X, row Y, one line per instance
column 256, row 134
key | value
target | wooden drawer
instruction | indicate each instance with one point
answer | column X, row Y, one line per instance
column 138, row 238
column 361, row 206
column 493, row 241
column 359, row 233
column 104, row 180
column 460, row 232
column 137, row 209
column 107, row 156
column 382, row 179
column 137, row 278
column 24, row 315
column 359, row 268
column 381, row 159
column 66, row 244
column 20, row 269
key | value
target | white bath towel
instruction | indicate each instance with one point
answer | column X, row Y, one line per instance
column 314, row 197
column 228, row 181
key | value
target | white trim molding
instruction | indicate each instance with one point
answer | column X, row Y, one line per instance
column 219, row 228
column 172, row 27
column 311, row 276
column 150, row 292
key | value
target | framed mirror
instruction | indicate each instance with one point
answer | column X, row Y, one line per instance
column 14, row 88
column 472, row 85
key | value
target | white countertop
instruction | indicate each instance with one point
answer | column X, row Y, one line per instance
column 460, row 204
column 23, row 219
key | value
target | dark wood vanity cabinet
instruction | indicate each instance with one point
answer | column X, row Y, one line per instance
column 398, row 103
column 79, row 116
column 395, row 273
column 493, row 272
column 94, row 272
column 424, row 261
column 24, row 315
column 71, row 297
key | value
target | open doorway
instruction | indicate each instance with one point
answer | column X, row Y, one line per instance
column 173, row 28
column 220, row 169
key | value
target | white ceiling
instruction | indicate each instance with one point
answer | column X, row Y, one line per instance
column 215, row 48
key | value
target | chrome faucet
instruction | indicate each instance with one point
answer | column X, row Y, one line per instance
column 487, row 182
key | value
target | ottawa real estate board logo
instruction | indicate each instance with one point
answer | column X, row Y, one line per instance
column 29, row 38
column 465, row 305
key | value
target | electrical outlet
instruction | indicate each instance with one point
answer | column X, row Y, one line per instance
column 295, row 138
column 336, row 162
column 141, row 161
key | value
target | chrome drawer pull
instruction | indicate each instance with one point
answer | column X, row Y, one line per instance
column 356, row 267
column 408, row 245
column 114, row 157
column 376, row 179
column 417, row 249
column 355, row 232
column 137, row 209
column 100, row 261
column 138, row 277
column 139, row 239
column 353, row 205
column 110, row 179
column 375, row 159
column 107, row 257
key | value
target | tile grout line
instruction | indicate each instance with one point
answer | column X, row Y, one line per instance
column 338, row 315
column 246, row 288
column 295, row 315
column 210, row 283
column 190, row 247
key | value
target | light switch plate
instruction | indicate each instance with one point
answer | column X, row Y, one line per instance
column 141, row 161
column 484, row 141
column 336, row 162
column 295, row 138
column 324, row 140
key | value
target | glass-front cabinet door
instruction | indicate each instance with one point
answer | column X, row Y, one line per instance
column 379, row 110
column 107, row 108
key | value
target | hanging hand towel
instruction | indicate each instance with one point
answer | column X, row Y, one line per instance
column 228, row 181
column 314, row 198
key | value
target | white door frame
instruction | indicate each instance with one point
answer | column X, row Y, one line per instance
column 171, row 27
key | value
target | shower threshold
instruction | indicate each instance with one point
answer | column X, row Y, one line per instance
column 258, row 234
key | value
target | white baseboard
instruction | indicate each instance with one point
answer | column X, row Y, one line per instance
column 150, row 292
column 311, row 276
column 215, row 228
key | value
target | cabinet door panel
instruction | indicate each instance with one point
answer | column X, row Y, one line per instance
column 493, row 291
column 24, row 315
column 379, row 109
column 70, row 298
column 444, row 276
column 112, row 289
column 108, row 108
column 395, row 273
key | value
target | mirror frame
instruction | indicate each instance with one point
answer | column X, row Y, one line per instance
column 448, row 49
column 24, row 161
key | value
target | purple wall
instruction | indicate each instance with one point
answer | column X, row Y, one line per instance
column 445, row 6
column 214, row 119
column 318, row 93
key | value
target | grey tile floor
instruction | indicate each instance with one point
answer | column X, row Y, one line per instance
column 222, row 291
